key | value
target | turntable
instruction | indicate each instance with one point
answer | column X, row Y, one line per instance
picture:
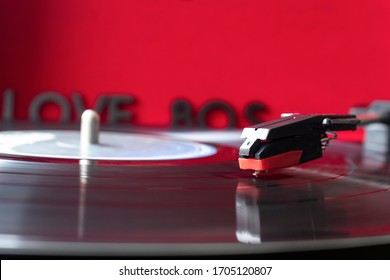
column 144, row 192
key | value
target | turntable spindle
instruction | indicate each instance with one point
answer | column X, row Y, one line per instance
column 89, row 131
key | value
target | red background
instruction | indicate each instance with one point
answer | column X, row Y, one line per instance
column 293, row 56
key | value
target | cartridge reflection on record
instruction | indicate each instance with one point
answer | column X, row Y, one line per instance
column 266, row 212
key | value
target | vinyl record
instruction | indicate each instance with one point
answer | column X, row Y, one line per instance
column 202, row 205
